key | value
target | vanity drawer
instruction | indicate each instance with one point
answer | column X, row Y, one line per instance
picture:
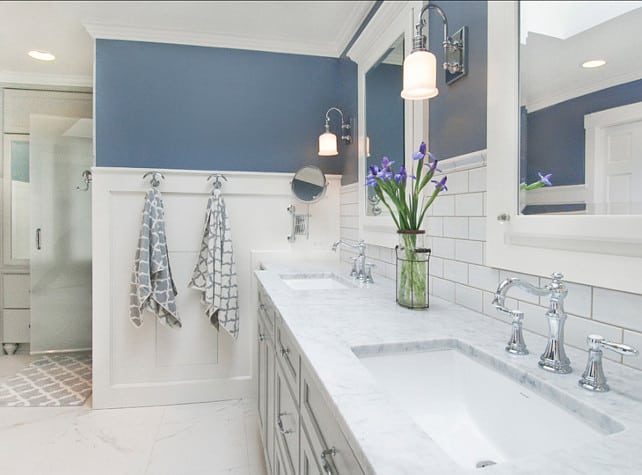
column 323, row 432
column 288, row 357
column 286, row 423
column 16, row 291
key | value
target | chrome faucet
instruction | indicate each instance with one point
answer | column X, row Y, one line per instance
column 554, row 357
column 593, row 377
column 360, row 269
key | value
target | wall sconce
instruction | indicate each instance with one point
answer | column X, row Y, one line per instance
column 419, row 68
column 328, row 141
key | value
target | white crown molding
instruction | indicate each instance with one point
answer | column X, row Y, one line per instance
column 351, row 25
column 195, row 38
column 60, row 80
column 377, row 26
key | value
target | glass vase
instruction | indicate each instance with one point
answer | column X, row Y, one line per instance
column 412, row 269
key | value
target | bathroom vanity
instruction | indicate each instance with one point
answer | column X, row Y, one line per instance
column 351, row 383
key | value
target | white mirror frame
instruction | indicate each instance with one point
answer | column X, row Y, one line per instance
column 604, row 251
column 389, row 22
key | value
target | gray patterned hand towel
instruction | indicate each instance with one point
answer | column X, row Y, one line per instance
column 214, row 273
column 152, row 286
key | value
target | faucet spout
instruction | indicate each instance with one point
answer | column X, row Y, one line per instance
column 554, row 357
column 360, row 264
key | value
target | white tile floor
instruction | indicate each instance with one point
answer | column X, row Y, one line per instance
column 192, row 439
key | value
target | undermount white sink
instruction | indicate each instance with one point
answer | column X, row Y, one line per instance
column 477, row 415
column 321, row 281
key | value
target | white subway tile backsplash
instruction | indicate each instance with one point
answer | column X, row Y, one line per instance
column 443, row 289
column 469, row 297
column 578, row 300
column 349, row 222
column 577, row 329
column 455, row 227
column 482, row 277
column 387, row 254
column 635, row 340
column 434, row 226
column 436, row 267
column 443, row 206
column 349, row 209
column 618, row 308
column 457, row 182
column 469, row 251
column 469, row 204
column 456, row 271
column 442, row 247
column 477, row 228
column 477, row 179
column 350, row 234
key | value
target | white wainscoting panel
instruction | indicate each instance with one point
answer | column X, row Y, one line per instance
column 155, row 365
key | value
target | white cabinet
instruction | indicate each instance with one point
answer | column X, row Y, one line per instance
column 16, row 319
column 299, row 431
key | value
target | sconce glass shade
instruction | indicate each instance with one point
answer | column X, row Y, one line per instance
column 328, row 145
column 420, row 76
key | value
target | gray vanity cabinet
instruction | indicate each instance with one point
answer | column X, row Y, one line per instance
column 328, row 443
column 265, row 377
column 299, row 432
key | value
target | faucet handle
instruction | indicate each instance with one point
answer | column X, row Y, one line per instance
column 516, row 344
column 353, row 272
column 557, row 276
column 593, row 378
column 368, row 277
column 596, row 342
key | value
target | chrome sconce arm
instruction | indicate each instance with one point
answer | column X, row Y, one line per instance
column 419, row 68
column 328, row 141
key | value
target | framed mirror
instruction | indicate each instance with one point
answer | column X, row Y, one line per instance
column 580, row 97
column 16, row 198
column 384, row 115
column 387, row 125
column 309, row 184
column 604, row 250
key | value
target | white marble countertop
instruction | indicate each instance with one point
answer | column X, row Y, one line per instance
column 328, row 324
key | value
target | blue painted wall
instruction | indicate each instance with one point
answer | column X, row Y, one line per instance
column 556, row 138
column 458, row 113
column 189, row 107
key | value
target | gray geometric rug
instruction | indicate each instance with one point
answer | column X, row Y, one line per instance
column 53, row 380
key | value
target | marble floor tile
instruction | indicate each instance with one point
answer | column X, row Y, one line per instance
column 190, row 439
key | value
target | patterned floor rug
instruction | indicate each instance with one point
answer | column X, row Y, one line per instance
column 53, row 380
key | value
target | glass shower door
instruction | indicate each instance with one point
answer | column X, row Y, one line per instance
column 60, row 235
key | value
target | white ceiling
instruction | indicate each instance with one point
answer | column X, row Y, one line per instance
column 67, row 29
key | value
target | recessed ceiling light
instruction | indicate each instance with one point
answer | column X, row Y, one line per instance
column 41, row 55
column 594, row 63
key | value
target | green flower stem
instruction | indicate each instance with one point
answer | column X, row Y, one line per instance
column 412, row 289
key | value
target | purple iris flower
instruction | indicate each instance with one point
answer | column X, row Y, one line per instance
column 386, row 163
column 441, row 184
column 374, row 173
column 402, row 175
column 545, row 179
column 421, row 153
column 432, row 165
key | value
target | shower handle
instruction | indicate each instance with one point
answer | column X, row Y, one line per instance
column 39, row 239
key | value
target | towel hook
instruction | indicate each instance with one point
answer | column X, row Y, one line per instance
column 217, row 183
column 155, row 177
